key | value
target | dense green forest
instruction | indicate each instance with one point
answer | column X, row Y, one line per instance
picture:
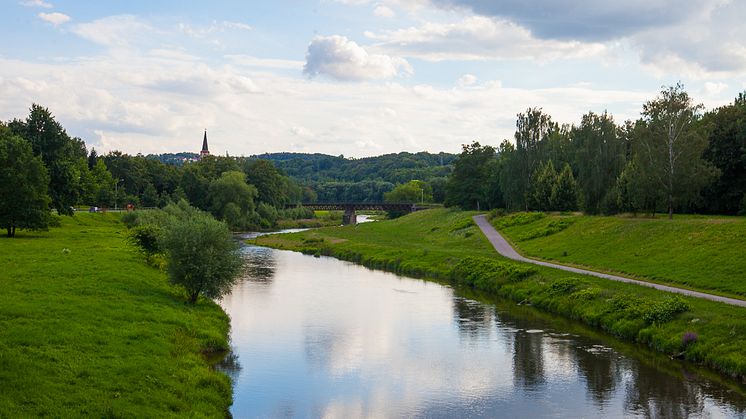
column 340, row 179
column 674, row 158
column 44, row 168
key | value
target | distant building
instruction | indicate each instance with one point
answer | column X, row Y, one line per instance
column 205, row 151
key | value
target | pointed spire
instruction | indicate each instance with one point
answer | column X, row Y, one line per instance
column 205, row 151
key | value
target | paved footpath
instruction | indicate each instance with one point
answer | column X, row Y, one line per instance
column 504, row 248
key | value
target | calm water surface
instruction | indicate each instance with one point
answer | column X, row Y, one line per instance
column 317, row 337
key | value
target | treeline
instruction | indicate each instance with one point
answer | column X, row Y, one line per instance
column 675, row 157
column 43, row 168
column 340, row 179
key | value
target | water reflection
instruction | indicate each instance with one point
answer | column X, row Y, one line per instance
column 323, row 338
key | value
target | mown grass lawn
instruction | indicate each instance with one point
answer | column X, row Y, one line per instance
column 703, row 253
column 87, row 329
column 446, row 245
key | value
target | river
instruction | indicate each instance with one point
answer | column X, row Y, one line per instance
column 318, row 337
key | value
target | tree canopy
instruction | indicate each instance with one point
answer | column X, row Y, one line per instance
column 23, row 185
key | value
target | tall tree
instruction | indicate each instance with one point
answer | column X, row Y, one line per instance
column 727, row 151
column 233, row 200
column 64, row 157
column 544, row 181
column 24, row 203
column 564, row 192
column 671, row 147
column 270, row 182
column 533, row 129
column 600, row 156
column 467, row 185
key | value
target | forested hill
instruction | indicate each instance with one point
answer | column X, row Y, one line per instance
column 393, row 168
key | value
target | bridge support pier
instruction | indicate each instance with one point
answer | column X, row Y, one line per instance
column 349, row 217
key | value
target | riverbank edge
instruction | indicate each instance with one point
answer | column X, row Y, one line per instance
column 198, row 336
column 508, row 286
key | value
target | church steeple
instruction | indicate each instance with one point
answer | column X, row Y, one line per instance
column 205, row 151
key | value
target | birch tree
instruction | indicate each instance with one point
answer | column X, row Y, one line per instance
column 669, row 150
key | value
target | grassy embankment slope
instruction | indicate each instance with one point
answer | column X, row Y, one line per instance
column 88, row 329
column 446, row 245
column 702, row 253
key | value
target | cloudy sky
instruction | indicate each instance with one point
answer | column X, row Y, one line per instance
column 353, row 77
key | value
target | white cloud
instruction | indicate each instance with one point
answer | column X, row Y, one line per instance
column 714, row 88
column 466, row 80
column 55, row 18
column 478, row 38
column 342, row 59
column 161, row 103
column 36, row 3
column 115, row 31
column 382, row 10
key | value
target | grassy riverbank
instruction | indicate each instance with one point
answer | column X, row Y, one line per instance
column 702, row 253
column 446, row 245
column 88, row 329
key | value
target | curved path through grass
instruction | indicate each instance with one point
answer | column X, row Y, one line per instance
column 504, row 248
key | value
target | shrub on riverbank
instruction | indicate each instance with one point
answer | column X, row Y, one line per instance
column 423, row 245
column 95, row 332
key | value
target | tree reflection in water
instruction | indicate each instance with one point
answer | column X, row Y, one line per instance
column 259, row 264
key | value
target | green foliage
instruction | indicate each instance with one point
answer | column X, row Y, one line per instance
column 272, row 187
column 202, row 256
column 467, row 187
column 63, row 157
column 24, row 203
column 544, row 181
column 95, row 332
column 664, row 311
column 146, row 237
column 726, row 150
column 564, row 285
column 488, row 274
column 564, row 195
column 599, row 159
column 668, row 148
column 410, row 192
column 518, row 219
column 232, row 200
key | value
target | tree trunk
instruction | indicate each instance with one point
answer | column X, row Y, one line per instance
column 670, row 207
column 193, row 297
column 13, row 231
column 8, row 228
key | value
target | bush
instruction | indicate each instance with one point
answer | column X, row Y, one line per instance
column 488, row 274
column 664, row 311
column 564, row 286
column 518, row 219
column 146, row 237
column 131, row 219
column 202, row 256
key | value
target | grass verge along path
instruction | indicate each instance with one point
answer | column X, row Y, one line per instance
column 446, row 245
column 703, row 253
column 87, row 329
column 506, row 250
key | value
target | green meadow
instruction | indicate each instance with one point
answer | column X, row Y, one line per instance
column 697, row 252
column 445, row 245
column 88, row 329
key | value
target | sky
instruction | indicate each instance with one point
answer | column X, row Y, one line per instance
column 354, row 77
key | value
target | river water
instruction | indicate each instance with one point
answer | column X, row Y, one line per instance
column 318, row 337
